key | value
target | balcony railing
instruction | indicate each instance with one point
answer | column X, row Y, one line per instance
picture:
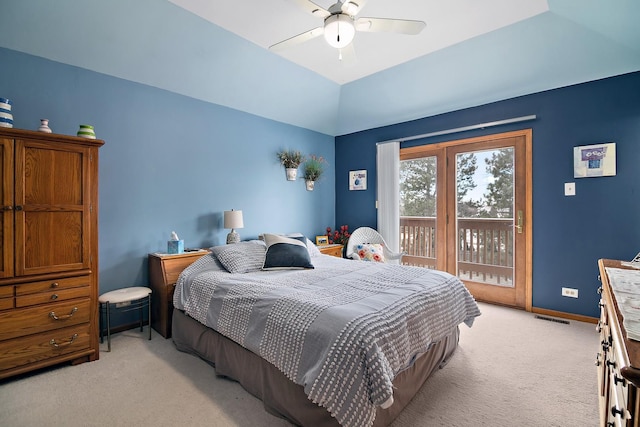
column 485, row 247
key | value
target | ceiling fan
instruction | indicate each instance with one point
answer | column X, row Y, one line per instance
column 341, row 24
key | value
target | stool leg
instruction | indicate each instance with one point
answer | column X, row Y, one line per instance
column 101, row 325
column 149, row 304
column 141, row 313
column 108, row 329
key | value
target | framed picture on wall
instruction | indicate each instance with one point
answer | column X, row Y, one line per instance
column 594, row 160
column 358, row 180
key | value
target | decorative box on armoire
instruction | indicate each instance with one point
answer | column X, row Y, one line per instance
column 48, row 250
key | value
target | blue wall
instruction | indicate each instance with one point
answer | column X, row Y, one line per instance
column 170, row 162
column 174, row 163
column 569, row 233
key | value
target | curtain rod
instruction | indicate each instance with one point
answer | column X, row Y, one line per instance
column 464, row 128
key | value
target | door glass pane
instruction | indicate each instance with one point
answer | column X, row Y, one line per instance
column 418, row 184
column 484, row 216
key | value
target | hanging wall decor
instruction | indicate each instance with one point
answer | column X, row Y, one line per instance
column 291, row 159
column 594, row 160
column 358, row 180
column 313, row 170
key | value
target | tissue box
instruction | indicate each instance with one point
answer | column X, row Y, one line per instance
column 175, row 246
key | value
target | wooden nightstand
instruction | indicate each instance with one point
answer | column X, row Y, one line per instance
column 333, row 250
column 164, row 270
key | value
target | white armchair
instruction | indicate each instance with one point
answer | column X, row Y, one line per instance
column 364, row 235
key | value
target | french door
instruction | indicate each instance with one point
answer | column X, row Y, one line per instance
column 465, row 208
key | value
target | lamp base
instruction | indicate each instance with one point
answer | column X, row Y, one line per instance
column 233, row 237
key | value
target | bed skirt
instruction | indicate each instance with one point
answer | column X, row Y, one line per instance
column 282, row 397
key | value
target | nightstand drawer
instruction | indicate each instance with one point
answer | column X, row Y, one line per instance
column 333, row 250
column 163, row 275
column 170, row 266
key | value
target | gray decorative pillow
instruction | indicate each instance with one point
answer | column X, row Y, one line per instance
column 241, row 257
column 286, row 253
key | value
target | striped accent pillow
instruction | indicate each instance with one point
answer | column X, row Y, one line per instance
column 286, row 253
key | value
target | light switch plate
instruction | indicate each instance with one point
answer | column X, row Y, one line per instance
column 569, row 188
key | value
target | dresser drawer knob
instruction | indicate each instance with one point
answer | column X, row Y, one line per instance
column 617, row 379
column 54, row 285
column 54, row 317
column 623, row 413
column 53, row 342
column 54, row 296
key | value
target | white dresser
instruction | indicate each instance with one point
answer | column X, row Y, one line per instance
column 618, row 359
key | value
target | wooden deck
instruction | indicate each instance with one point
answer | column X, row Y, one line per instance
column 485, row 247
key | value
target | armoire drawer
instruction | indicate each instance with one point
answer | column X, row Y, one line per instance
column 46, row 345
column 51, row 296
column 52, row 285
column 6, row 297
column 6, row 291
column 6, row 303
column 26, row 321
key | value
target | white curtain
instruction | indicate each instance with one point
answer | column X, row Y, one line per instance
column 388, row 185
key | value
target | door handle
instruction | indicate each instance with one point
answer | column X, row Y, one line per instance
column 519, row 223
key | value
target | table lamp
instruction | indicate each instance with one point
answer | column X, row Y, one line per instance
column 233, row 220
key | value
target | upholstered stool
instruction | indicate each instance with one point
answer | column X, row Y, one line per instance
column 126, row 299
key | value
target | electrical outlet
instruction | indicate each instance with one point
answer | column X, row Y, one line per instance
column 570, row 292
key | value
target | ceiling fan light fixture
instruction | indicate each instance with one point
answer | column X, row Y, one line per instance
column 350, row 7
column 339, row 30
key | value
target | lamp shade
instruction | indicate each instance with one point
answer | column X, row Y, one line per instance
column 233, row 219
column 339, row 30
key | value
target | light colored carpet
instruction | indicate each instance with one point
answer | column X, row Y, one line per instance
column 511, row 369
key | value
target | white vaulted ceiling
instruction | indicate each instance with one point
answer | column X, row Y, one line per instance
column 471, row 52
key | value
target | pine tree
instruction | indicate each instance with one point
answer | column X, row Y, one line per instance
column 499, row 195
column 466, row 165
column 418, row 187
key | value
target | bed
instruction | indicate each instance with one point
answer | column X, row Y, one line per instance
column 322, row 341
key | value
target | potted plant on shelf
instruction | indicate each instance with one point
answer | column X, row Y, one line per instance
column 291, row 159
column 313, row 170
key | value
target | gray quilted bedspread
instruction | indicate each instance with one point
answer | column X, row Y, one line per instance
column 343, row 330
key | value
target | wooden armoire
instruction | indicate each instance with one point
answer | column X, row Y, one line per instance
column 48, row 250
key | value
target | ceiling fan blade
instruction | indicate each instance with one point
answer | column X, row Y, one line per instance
column 347, row 55
column 296, row 40
column 312, row 8
column 352, row 8
column 384, row 25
